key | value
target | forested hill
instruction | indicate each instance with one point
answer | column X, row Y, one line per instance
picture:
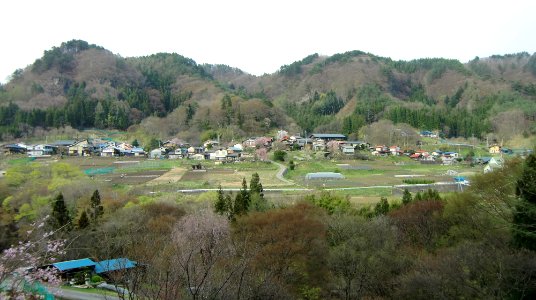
column 87, row 86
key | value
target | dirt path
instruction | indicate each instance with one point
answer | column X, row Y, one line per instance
column 281, row 172
column 171, row 176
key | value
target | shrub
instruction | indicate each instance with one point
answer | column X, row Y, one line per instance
column 279, row 155
column 96, row 278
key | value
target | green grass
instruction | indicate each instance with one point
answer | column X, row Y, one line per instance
column 149, row 165
column 90, row 291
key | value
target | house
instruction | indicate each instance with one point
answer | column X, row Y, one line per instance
column 196, row 150
column 137, row 151
column 220, row 154
column 81, row 148
column 250, row 143
column 426, row 133
column 496, row 162
column 176, row 154
column 158, row 153
column 40, row 150
column 281, row 135
column 494, row 149
column 359, row 144
column 347, row 149
column 395, row 150
column 210, row 144
column 110, row 151
column 15, row 149
column 328, row 136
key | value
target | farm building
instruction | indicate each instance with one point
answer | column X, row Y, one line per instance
column 324, row 176
column 328, row 136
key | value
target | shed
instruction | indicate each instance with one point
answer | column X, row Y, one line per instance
column 328, row 136
column 111, row 265
column 73, row 265
column 324, row 176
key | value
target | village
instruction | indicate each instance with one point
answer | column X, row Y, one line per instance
column 330, row 144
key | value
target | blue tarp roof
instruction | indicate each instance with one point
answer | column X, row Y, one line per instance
column 114, row 265
column 459, row 178
column 74, row 264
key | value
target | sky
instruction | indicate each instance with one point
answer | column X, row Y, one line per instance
column 259, row 36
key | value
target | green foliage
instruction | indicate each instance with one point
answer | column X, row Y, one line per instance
column 295, row 68
column 291, row 165
column 96, row 279
column 330, row 202
column 453, row 122
column 524, row 220
column 382, row 207
column 279, row 155
column 61, row 218
column 96, row 209
column 83, row 221
column 418, row 181
column 371, row 103
column 406, row 197
column 135, row 143
column 316, row 111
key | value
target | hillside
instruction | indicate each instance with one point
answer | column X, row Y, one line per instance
column 163, row 95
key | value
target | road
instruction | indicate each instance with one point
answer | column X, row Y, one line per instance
column 281, row 173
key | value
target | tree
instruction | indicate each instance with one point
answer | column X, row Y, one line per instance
column 97, row 209
column 279, row 155
column 524, row 220
column 60, row 215
column 382, row 207
column 242, row 200
column 135, row 143
column 256, row 194
column 220, row 206
column 291, row 165
column 83, row 222
column 406, row 197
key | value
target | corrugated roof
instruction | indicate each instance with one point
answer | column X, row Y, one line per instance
column 324, row 175
column 328, row 135
column 74, row 264
column 114, row 265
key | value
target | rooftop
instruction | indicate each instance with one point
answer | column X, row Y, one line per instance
column 74, row 264
column 114, row 265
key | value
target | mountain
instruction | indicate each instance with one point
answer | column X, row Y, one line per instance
column 162, row 95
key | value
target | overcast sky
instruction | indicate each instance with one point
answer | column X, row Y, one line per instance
column 258, row 36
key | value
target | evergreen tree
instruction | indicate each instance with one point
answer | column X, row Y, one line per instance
column 242, row 200
column 382, row 207
column 229, row 207
column 135, row 143
column 406, row 197
column 524, row 221
column 220, row 206
column 418, row 197
column 97, row 209
column 60, row 214
column 83, row 222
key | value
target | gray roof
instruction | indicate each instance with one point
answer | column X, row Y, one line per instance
column 324, row 175
column 328, row 135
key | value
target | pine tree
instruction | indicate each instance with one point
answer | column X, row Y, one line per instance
column 60, row 214
column 97, row 209
column 220, row 206
column 242, row 200
column 406, row 197
column 135, row 143
column 524, row 221
column 83, row 222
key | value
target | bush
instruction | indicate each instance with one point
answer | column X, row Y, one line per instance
column 279, row 155
column 96, row 278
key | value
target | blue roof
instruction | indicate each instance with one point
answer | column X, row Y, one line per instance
column 114, row 265
column 74, row 264
column 459, row 178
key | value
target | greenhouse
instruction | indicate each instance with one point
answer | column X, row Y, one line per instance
column 324, row 176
